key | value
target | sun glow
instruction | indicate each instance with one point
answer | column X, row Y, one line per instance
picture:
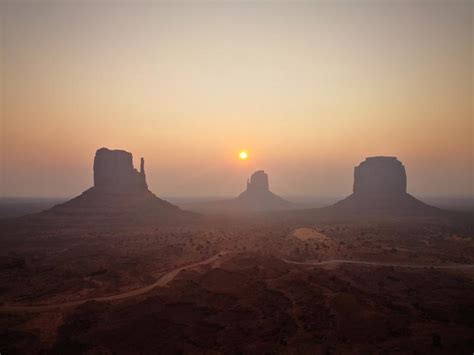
column 243, row 155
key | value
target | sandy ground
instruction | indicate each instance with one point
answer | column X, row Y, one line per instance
column 363, row 272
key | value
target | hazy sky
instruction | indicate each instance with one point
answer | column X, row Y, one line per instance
column 308, row 88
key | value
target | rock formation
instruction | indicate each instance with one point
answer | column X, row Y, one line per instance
column 258, row 182
column 380, row 175
column 114, row 172
column 380, row 185
column 120, row 192
column 256, row 198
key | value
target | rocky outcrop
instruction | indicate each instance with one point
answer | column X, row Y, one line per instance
column 258, row 182
column 380, row 185
column 380, row 175
column 256, row 198
column 120, row 193
column 114, row 172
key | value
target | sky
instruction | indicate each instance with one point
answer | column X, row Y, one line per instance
column 308, row 89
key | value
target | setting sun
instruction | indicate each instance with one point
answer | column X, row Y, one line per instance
column 243, row 155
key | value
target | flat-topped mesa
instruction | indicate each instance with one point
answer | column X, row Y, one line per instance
column 380, row 175
column 258, row 182
column 114, row 172
column 380, row 188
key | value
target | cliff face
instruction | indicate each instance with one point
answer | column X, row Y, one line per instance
column 380, row 175
column 258, row 197
column 114, row 172
column 120, row 194
column 380, row 185
column 258, row 182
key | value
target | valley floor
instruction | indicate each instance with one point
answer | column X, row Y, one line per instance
column 402, row 285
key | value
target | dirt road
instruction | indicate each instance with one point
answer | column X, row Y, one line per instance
column 162, row 281
column 376, row 263
column 170, row 275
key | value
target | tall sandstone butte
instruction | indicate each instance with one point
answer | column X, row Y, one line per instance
column 380, row 187
column 256, row 198
column 120, row 192
column 380, row 175
column 114, row 172
column 258, row 182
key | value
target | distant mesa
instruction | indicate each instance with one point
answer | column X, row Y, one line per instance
column 256, row 198
column 120, row 192
column 380, row 186
column 257, row 182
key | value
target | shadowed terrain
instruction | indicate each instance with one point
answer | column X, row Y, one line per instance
column 280, row 286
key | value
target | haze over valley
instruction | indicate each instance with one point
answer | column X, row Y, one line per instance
column 236, row 177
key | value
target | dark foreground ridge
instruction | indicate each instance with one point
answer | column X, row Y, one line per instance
column 120, row 192
column 256, row 198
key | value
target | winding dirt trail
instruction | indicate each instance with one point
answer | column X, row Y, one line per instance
column 162, row 281
column 376, row 263
column 170, row 275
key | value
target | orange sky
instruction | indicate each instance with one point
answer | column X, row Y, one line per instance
column 309, row 89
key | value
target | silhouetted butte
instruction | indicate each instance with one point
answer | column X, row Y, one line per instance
column 114, row 172
column 256, row 198
column 380, row 187
column 120, row 192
